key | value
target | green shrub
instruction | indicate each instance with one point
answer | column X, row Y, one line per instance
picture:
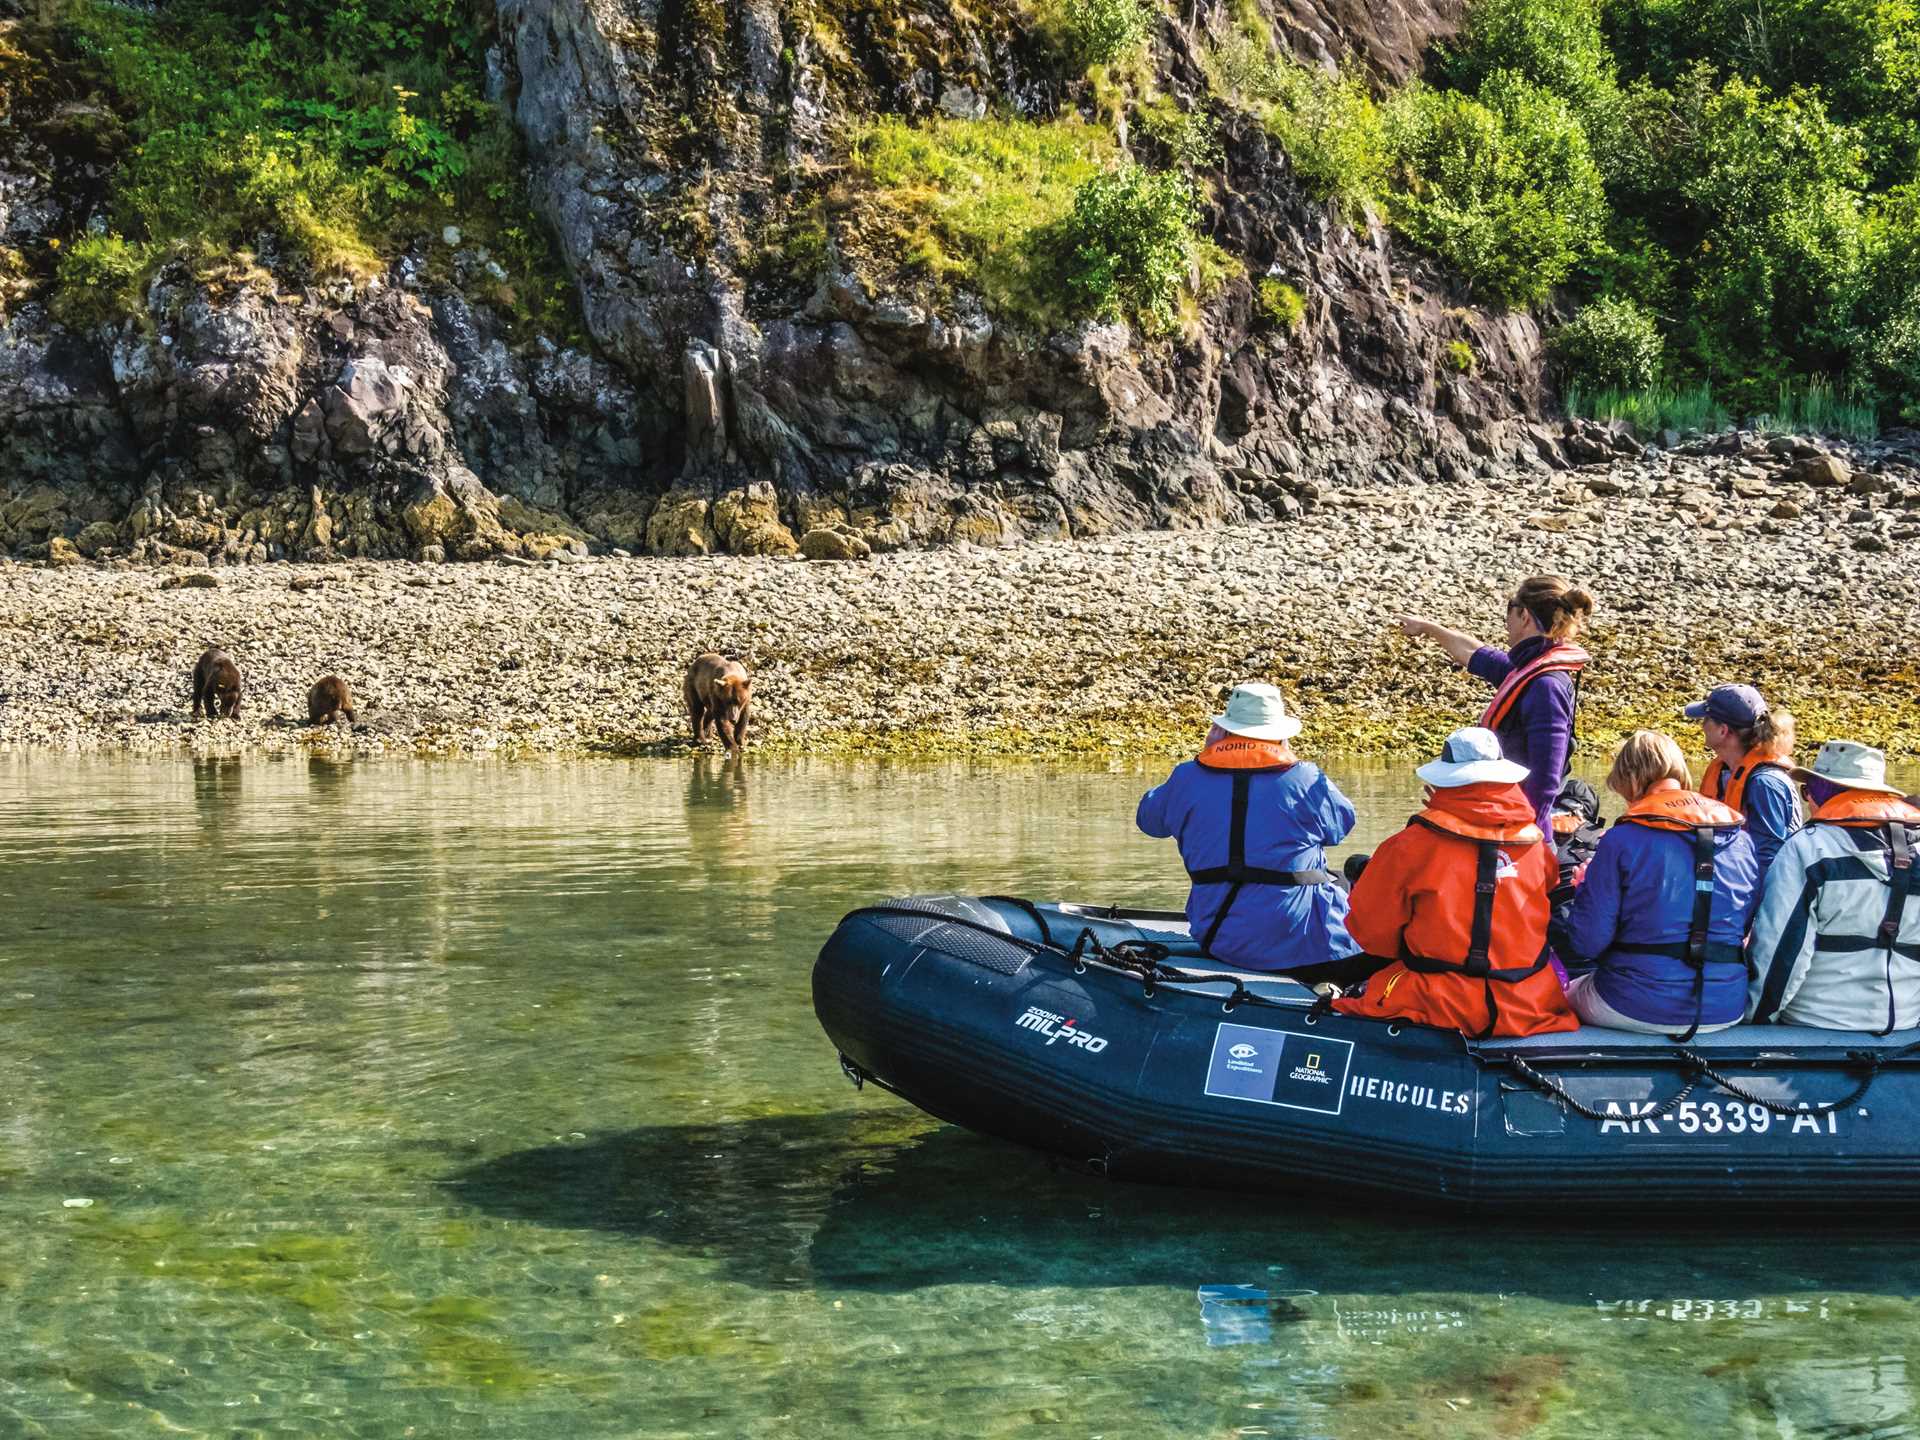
column 1280, row 303
column 1127, row 245
column 100, row 276
column 1612, row 344
column 1779, row 269
column 1191, row 137
column 1103, row 31
column 1554, row 44
column 1328, row 124
column 1460, row 356
column 340, row 130
column 1503, row 186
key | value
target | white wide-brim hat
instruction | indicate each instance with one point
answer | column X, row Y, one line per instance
column 1851, row 766
column 1471, row 756
column 1258, row 712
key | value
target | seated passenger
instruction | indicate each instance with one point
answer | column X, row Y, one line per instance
column 1457, row 901
column 1251, row 819
column 1664, row 908
column 1836, row 941
column 1752, row 747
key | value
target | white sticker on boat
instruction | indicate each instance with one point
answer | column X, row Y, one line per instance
column 1278, row 1067
column 1415, row 1097
column 1714, row 1118
column 1058, row 1028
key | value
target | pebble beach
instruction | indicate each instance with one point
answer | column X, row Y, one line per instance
column 1709, row 567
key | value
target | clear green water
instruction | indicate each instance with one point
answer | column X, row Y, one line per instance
column 395, row 1100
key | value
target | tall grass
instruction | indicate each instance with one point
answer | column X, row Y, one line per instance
column 1816, row 408
column 1661, row 407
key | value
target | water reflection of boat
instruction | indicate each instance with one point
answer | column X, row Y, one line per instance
column 1103, row 1037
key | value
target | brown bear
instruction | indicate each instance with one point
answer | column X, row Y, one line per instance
column 718, row 691
column 216, row 681
column 329, row 700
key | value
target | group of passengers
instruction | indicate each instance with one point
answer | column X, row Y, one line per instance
column 1506, row 908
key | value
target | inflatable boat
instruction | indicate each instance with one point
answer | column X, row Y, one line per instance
column 1103, row 1036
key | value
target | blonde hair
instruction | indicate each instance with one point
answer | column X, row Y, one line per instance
column 1644, row 759
column 1559, row 607
column 1782, row 737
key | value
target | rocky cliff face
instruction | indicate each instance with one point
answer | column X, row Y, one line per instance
column 721, row 407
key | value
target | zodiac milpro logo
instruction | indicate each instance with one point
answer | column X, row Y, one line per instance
column 1060, row 1027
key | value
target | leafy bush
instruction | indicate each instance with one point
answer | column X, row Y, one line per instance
column 1127, row 245
column 100, row 276
column 1103, row 31
column 1461, row 357
column 1191, row 137
column 1328, row 124
column 337, row 131
column 1503, row 186
column 1554, row 44
column 1775, row 187
column 1612, row 344
column 1280, row 303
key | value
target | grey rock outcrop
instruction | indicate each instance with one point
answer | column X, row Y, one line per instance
column 242, row 416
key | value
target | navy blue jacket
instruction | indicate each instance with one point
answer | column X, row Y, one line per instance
column 1639, row 887
column 1538, row 730
column 1291, row 814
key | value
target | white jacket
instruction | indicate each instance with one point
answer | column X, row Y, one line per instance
column 1816, row 952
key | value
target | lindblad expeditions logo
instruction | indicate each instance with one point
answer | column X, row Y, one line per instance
column 1243, row 1051
column 1060, row 1027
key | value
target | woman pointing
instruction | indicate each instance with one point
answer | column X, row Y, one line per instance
column 1535, row 679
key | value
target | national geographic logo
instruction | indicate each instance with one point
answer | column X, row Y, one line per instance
column 1311, row 1072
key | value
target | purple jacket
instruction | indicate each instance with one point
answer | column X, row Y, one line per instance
column 1538, row 731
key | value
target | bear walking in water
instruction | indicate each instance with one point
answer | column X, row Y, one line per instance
column 216, row 681
column 718, row 692
column 329, row 700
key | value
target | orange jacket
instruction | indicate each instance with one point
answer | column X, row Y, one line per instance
column 1737, row 787
column 1416, row 898
column 1863, row 809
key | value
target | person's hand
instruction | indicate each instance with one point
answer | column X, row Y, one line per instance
column 1414, row 627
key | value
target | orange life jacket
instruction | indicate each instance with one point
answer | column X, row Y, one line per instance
column 1866, row 809
column 1510, row 1000
column 1242, row 758
column 1560, row 657
column 1668, row 807
column 1687, row 812
column 1761, row 757
column 1238, row 752
column 1899, row 825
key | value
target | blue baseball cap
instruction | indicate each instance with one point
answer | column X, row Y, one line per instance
column 1737, row 705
